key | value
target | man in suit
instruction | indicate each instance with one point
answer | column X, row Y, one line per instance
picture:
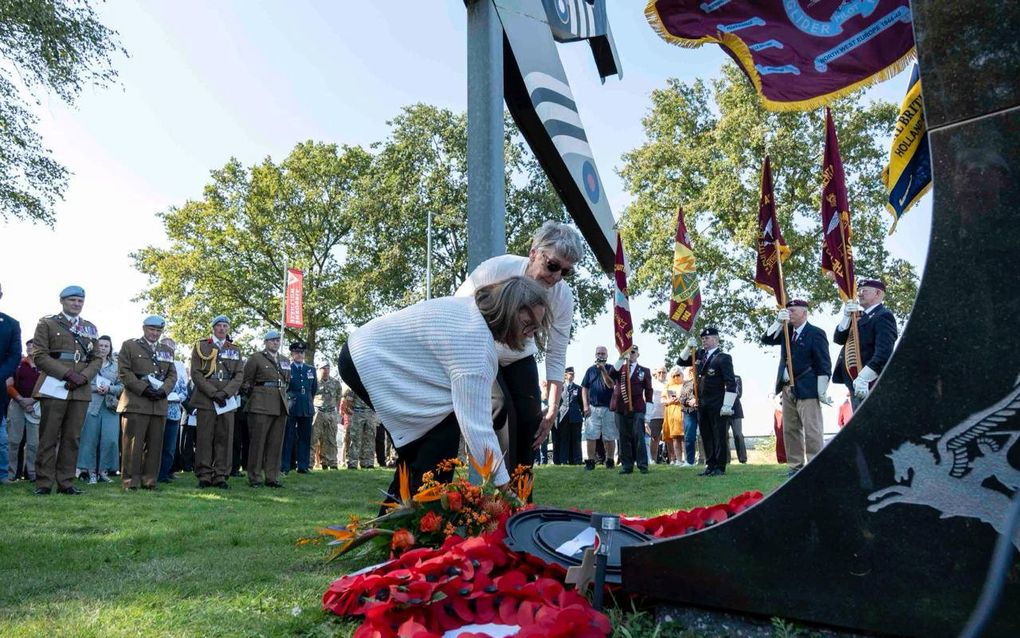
column 266, row 375
column 10, row 357
column 64, row 350
column 632, row 393
column 804, row 394
column 216, row 370
column 717, row 392
column 147, row 371
column 301, row 389
column 876, row 327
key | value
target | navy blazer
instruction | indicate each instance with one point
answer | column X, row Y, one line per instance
column 301, row 389
column 810, row 359
column 877, row 331
column 715, row 377
column 10, row 355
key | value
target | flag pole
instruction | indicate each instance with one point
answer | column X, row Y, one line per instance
column 854, row 333
column 782, row 304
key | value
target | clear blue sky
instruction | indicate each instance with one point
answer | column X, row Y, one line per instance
column 209, row 80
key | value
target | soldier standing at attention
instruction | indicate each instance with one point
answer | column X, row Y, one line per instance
column 327, row 401
column 147, row 371
column 216, row 370
column 300, row 390
column 64, row 349
column 360, row 432
column 265, row 376
column 717, row 393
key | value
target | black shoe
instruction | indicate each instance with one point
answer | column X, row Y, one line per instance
column 300, row 471
column 255, row 484
column 274, row 484
column 707, row 472
column 717, row 472
column 792, row 472
column 589, row 466
column 70, row 490
column 204, row 484
column 643, row 470
column 236, row 473
column 171, row 478
column 626, row 470
column 42, row 491
column 610, row 464
column 221, row 485
column 163, row 480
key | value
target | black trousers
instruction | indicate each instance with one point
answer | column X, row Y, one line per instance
column 520, row 381
column 567, row 443
column 632, row 440
column 737, row 425
column 439, row 444
column 714, row 430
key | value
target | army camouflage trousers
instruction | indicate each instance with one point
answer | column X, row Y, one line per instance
column 361, row 438
column 324, row 438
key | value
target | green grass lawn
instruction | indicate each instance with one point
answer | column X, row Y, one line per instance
column 190, row 562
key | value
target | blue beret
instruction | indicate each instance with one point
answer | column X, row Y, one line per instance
column 220, row 319
column 272, row 334
column 72, row 291
column 154, row 321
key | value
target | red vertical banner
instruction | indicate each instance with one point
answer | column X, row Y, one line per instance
column 294, row 307
column 685, row 300
column 623, row 325
column 772, row 248
column 837, row 252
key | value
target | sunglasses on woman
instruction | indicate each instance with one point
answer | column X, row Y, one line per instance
column 555, row 266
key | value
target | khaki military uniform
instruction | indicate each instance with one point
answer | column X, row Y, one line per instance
column 214, row 369
column 266, row 377
column 327, row 420
column 144, row 418
column 360, row 432
column 58, row 348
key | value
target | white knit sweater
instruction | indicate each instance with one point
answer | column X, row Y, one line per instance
column 421, row 363
column 561, row 309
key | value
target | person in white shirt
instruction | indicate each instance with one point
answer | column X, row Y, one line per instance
column 555, row 248
column 654, row 416
column 428, row 371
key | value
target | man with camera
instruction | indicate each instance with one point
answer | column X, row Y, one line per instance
column 600, row 422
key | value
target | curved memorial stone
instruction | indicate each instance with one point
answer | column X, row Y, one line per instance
column 891, row 528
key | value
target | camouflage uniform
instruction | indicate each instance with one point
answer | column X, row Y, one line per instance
column 360, row 432
column 324, row 428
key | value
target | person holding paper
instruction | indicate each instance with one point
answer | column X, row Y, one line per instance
column 148, row 374
column 99, row 442
column 64, row 349
column 266, row 374
column 216, row 370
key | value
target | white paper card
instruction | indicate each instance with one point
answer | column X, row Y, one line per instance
column 173, row 396
column 53, row 388
column 576, row 545
column 192, row 419
column 154, row 382
column 232, row 404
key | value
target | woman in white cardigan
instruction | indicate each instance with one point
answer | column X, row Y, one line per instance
column 428, row 371
column 555, row 249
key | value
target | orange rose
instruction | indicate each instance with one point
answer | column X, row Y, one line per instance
column 454, row 501
column 430, row 522
column 402, row 541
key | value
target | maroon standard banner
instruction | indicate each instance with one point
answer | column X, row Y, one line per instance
column 685, row 302
column 623, row 325
column 294, row 312
column 799, row 54
column 837, row 252
column 772, row 248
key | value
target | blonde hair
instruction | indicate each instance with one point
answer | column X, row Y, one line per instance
column 500, row 304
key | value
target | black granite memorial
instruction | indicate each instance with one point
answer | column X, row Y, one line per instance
column 891, row 528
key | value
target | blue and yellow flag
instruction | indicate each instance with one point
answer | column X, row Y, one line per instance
column 908, row 175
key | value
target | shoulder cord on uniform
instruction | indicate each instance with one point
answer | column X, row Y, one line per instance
column 208, row 362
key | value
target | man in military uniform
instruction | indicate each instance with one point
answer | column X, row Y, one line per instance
column 876, row 326
column 804, row 394
column 216, row 371
column 64, row 349
column 360, row 432
column 297, row 444
column 266, row 375
column 147, row 371
column 717, row 392
column 327, row 401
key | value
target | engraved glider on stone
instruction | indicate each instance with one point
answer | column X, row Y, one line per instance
column 964, row 472
column 539, row 98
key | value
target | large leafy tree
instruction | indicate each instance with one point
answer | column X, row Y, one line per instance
column 704, row 148
column 45, row 46
column 422, row 166
column 228, row 250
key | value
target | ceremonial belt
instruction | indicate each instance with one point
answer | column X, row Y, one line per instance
column 270, row 384
column 325, row 408
column 63, row 356
column 219, row 376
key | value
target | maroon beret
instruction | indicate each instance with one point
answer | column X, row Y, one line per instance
column 797, row 303
column 873, row 283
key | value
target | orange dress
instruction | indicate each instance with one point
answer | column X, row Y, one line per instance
column 673, row 414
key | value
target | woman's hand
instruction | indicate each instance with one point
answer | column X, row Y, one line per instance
column 102, row 389
column 543, row 430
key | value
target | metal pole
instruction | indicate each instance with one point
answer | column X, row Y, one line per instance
column 486, row 228
column 428, row 257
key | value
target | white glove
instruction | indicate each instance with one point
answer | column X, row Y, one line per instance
column 727, row 404
column 783, row 315
column 823, row 390
column 692, row 343
column 862, row 383
column 691, row 346
column 849, row 308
